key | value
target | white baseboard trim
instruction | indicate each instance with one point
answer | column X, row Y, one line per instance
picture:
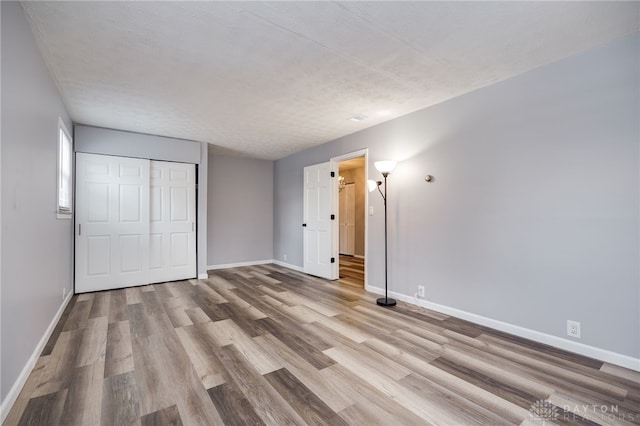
column 287, row 265
column 12, row 396
column 203, row 276
column 547, row 339
column 239, row 264
column 252, row 263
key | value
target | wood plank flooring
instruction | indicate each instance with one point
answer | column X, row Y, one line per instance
column 351, row 271
column 265, row 345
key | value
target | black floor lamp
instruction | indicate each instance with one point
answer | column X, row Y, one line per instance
column 384, row 167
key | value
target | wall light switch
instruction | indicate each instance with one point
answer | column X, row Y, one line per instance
column 370, row 210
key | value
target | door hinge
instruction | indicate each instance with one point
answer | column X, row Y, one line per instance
column 333, row 260
column 333, row 217
column 333, row 174
column 79, row 229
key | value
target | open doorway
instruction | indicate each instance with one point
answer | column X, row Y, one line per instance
column 351, row 225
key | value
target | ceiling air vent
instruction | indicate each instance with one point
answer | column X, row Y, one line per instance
column 358, row 117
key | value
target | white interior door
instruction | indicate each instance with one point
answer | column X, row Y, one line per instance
column 172, row 222
column 112, row 222
column 317, row 231
column 348, row 220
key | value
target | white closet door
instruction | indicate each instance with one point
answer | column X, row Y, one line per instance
column 112, row 222
column 172, row 235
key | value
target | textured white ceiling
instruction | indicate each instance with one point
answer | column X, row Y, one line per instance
column 267, row 79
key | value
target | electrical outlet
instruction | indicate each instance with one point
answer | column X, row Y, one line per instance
column 420, row 291
column 573, row 329
column 64, row 292
column 284, row 257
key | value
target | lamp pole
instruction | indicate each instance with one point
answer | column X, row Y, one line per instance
column 386, row 301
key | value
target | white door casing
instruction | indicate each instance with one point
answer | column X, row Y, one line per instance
column 172, row 221
column 335, row 162
column 342, row 213
column 112, row 222
column 317, row 223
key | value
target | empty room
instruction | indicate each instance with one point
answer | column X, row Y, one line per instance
column 320, row 213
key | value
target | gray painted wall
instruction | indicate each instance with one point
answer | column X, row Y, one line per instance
column 240, row 221
column 97, row 140
column 36, row 247
column 533, row 215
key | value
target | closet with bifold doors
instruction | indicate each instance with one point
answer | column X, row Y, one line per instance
column 135, row 222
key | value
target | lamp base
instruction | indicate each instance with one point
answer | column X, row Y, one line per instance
column 386, row 301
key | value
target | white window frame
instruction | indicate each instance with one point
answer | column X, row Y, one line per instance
column 64, row 184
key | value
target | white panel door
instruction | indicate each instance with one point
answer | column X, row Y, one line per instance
column 112, row 222
column 317, row 223
column 172, row 234
column 348, row 220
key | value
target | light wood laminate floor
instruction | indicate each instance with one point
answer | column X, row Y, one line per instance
column 351, row 271
column 267, row 345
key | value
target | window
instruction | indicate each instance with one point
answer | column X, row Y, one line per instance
column 65, row 163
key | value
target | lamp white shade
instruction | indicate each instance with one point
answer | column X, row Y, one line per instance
column 372, row 185
column 385, row 166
